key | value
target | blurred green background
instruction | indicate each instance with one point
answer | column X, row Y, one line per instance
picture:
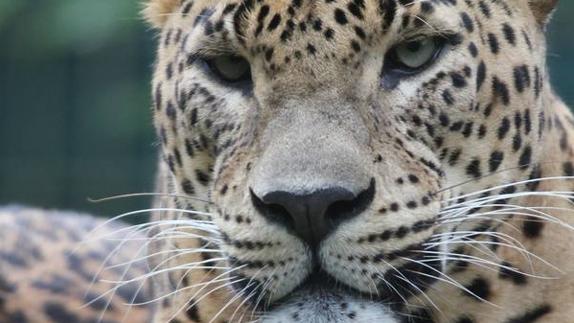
column 75, row 120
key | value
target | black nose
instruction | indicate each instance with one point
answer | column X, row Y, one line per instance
column 314, row 215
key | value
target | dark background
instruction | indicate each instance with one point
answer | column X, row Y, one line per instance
column 75, row 117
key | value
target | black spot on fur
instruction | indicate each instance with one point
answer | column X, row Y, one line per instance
column 521, row 78
column 493, row 43
column 504, row 128
column 274, row 23
column 341, row 17
column 513, row 274
column 420, row 316
column 16, row 317
column 192, row 313
column 532, row 315
column 525, row 157
column 509, row 34
column 500, row 90
column 478, row 287
column 464, row 319
column 473, row 49
column 495, row 160
column 568, row 169
column 532, row 228
column 473, row 169
column 58, row 313
column 467, row 22
column 480, row 75
column 6, row 287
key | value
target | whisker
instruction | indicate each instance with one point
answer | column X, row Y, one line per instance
column 186, row 251
column 197, row 301
column 146, row 227
column 502, row 236
column 259, row 285
column 261, row 295
column 187, row 307
column 198, row 224
column 180, row 267
column 419, row 290
column 499, row 172
column 447, row 279
column 98, row 273
column 523, row 182
column 400, row 273
column 464, row 208
column 475, row 259
column 237, row 296
column 469, row 242
column 216, row 279
column 478, row 217
column 130, row 195
column 507, row 209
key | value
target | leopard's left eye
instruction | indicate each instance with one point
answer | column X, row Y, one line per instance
column 412, row 56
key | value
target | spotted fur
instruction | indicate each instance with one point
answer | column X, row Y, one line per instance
column 459, row 175
column 51, row 273
column 460, row 156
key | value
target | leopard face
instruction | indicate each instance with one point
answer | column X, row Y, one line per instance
column 326, row 143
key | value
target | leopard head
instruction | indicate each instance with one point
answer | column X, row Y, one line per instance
column 318, row 146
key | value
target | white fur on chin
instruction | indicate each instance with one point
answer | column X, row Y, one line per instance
column 323, row 307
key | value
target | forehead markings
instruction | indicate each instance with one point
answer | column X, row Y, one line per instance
column 285, row 17
column 288, row 16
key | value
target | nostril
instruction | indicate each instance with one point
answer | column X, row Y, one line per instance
column 341, row 211
column 272, row 211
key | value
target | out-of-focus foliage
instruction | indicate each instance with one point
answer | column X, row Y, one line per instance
column 561, row 51
column 75, row 120
column 55, row 27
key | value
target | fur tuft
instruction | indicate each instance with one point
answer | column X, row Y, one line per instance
column 156, row 12
column 542, row 10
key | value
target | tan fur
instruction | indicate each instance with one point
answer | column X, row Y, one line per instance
column 156, row 12
column 321, row 112
column 555, row 247
column 50, row 271
column 329, row 80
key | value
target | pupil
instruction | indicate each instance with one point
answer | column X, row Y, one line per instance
column 236, row 59
column 414, row 46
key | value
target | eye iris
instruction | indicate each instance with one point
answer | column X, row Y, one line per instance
column 410, row 56
column 230, row 68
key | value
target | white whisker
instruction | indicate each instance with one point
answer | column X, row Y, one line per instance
column 121, row 196
column 447, row 279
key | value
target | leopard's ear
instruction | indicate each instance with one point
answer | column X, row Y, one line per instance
column 156, row 12
column 542, row 10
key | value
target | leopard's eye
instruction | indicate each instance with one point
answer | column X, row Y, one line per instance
column 230, row 69
column 413, row 56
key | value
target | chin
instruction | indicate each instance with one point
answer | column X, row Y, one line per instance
column 328, row 305
column 321, row 299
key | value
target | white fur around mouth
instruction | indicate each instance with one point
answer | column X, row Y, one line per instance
column 321, row 299
column 312, row 305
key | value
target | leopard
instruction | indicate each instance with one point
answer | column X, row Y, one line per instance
column 360, row 161
column 395, row 161
column 70, row 267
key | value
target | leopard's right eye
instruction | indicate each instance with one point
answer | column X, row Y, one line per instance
column 229, row 68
